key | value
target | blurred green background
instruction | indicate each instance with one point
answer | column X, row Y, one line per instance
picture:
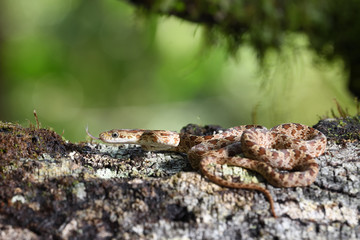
column 99, row 63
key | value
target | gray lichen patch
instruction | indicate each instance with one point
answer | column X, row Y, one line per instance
column 210, row 201
column 130, row 161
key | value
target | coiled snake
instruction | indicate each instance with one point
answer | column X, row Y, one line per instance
column 289, row 146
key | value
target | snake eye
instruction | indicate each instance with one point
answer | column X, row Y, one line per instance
column 115, row 135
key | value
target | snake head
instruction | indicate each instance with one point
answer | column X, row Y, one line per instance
column 118, row 136
column 121, row 136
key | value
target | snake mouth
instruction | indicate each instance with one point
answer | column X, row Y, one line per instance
column 89, row 134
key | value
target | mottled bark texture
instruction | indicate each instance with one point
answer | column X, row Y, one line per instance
column 96, row 191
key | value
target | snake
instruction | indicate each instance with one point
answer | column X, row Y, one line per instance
column 284, row 155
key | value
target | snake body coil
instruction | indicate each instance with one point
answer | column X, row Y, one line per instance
column 291, row 147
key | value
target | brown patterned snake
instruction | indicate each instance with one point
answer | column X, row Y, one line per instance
column 290, row 147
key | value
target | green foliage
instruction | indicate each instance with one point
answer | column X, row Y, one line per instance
column 329, row 24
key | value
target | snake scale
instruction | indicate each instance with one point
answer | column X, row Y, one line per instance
column 290, row 148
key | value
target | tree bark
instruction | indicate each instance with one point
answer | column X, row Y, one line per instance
column 99, row 191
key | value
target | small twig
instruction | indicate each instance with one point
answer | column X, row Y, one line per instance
column 343, row 112
column 37, row 120
column 254, row 113
column 357, row 106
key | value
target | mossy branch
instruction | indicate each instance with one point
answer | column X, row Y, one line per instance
column 329, row 24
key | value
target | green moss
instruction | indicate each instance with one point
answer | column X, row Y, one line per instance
column 18, row 142
column 75, row 182
column 341, row 129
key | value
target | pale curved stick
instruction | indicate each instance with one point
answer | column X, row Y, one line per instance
column 89, row 134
